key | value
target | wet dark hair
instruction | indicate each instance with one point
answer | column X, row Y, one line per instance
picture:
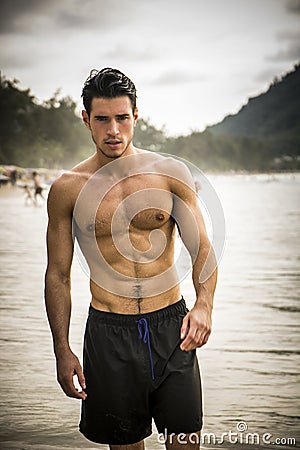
column 107, row 83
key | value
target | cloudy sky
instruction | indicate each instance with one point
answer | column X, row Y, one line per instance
column 193, row 61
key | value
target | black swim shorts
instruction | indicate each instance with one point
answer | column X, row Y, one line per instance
column 135, row 371
column 38, row 190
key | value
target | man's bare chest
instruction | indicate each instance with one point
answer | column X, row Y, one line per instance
column 141, row 202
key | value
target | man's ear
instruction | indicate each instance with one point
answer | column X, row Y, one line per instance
column 135, row 116
column 86, row 119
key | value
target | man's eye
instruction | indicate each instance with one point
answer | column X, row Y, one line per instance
column 123, row 117
column 101, row 119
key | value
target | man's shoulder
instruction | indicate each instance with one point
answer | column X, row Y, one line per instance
column 66, row 188
column 165, row 162
column 71, row 180
column 66, row 181
column 174, row 168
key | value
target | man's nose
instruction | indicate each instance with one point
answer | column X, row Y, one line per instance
column 113, row 129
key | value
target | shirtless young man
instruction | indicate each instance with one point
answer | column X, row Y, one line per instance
column 123, row 205
column 38, row 188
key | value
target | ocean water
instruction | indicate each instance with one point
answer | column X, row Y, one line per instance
column 250, row 366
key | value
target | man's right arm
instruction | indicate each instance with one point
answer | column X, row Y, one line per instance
column 58, row 285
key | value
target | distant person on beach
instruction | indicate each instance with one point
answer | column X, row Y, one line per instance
column 28, row 195
column 13, row 176
column 123, row 205
column 38, row 188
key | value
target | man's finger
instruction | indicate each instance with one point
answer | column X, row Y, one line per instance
column 198, row 340
column 205, row 339
column 70, row 390
column 184, row 327
column 80, row 377
column 190, row 338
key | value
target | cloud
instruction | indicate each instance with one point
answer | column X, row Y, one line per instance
column 266, row 75
column 19, row 16
column 16, row 15
column 293, row 6
column 177, row 77
column 94, row 14
column 291, row 51
column 289, row 35
column 23, row 61
column 270, row 74
column 132, row 53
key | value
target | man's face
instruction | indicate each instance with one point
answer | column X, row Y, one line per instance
column 111, row 123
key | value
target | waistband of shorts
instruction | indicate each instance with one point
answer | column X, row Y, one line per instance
column 176, row 309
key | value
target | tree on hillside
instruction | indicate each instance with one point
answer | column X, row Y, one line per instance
column 149, row 137
column 48, row 135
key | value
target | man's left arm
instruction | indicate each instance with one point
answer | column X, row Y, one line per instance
column 197, row 324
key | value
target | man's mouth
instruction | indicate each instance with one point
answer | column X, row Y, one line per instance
column 113, row 142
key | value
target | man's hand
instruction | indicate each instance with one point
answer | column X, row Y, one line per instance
column 68, row 366
column 195, row 329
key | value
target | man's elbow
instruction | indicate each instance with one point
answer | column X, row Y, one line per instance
column 56, row 276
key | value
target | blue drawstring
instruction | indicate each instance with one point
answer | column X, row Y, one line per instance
column 146, row 339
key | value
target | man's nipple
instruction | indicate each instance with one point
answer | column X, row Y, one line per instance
column 160, row 216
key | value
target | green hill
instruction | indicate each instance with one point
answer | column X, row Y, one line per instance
column 263, row 136
column 275, row 112
column 273, row 118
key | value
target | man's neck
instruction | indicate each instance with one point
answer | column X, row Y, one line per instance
column 102, row 159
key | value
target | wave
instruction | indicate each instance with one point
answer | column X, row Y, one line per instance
column 246, row 350
column 293, row 309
